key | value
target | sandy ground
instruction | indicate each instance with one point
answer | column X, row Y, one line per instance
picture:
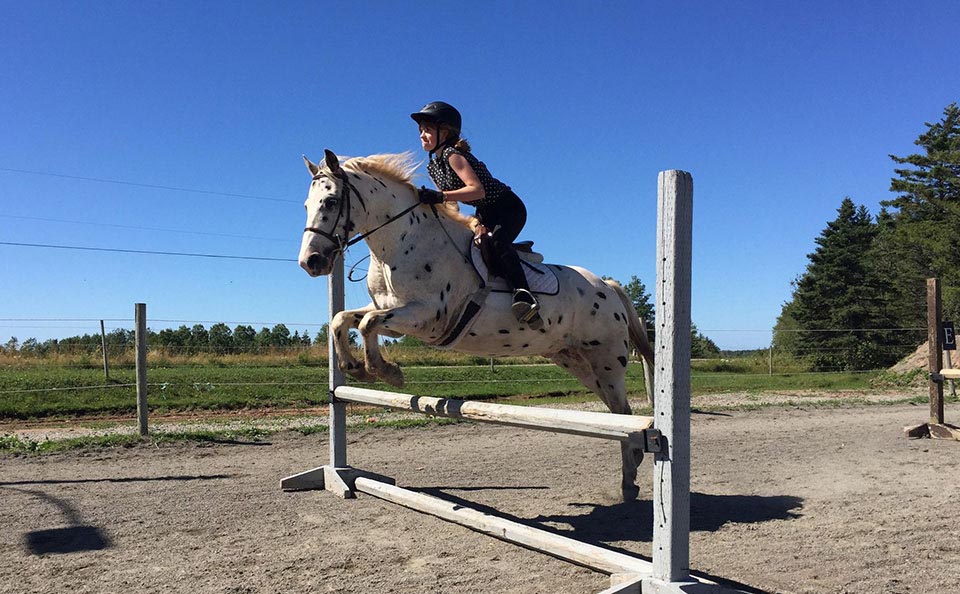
column 788, row 499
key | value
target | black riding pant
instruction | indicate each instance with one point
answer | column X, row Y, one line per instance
column 505, row 219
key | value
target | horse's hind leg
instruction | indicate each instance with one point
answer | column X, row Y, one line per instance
column 610, row 384
column 606, row 380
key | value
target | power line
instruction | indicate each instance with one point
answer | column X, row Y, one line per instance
column 153, row 253
column 115, row 226
column 152, row 186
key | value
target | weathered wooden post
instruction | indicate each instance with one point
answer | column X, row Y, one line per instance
column 103, row 347
column 935, row 349
column 140, row 315
column 671, row 467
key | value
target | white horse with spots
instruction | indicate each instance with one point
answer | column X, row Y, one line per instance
column 424, row 283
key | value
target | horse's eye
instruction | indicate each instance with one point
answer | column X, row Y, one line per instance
column 331, row 202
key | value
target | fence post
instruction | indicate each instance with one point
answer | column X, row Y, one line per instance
column 671, row 467
column 140, row 311
column 935, row 349
column 103, row 347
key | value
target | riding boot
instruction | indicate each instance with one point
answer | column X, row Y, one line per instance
column 525, row 306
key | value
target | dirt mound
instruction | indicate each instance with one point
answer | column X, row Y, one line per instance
column 915, row 360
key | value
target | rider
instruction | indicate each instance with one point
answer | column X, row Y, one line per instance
column 462, row 178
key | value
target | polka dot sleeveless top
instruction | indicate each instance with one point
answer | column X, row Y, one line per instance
column 447, row 179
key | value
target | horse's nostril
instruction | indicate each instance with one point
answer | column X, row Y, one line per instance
column 313, row 260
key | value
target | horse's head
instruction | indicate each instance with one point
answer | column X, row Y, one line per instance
column 328, row 215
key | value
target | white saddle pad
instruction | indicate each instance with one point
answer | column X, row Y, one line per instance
column 540, row 278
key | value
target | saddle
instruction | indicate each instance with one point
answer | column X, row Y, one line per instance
column 524, row 250
column 540, row 278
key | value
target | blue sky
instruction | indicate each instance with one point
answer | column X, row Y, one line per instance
column 778, row 110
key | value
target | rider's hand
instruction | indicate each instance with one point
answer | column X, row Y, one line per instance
column 428, row 196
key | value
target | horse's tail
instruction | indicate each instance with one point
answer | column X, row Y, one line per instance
column 637, row 329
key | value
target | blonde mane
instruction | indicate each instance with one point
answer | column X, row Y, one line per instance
column 401, row 168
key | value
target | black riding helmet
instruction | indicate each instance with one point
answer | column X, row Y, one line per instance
column 438, row 112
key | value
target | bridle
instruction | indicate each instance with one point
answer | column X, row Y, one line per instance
column 343, row 241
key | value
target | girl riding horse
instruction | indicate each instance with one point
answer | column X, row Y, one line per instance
column 461, row 177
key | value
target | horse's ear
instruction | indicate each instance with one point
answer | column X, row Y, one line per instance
column 311, row 167
column 331, row 160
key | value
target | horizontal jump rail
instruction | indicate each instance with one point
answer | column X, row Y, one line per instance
column 568, row 549
column 590, row 424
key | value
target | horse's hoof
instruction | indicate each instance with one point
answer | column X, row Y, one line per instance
column 630, row 492
column 358, row 372
column 393, row 376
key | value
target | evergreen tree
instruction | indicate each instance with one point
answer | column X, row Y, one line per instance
column 839, row 302
column 920, row 239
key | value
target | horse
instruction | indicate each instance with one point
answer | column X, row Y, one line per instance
column 423, row 283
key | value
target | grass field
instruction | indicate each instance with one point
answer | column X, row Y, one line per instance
column 37, row 391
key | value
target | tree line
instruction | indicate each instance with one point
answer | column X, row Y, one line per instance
column 862, row 299
column 220, row 339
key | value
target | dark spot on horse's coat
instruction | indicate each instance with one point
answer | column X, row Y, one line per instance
column 355, row 175
column 543, row 331
column 610, row 386
column 596, row 306
column 507, row 346
column 323, row 219
column 565, row 365
column 448, row 287
column 525, row 345
column 601, row 295
column 438, row 315
column 326, row 187
column 605, row 368
column 441, row 295
column 428, row 268
column 559, row 319
column 616, row 316
column 444, row 310
column 393, row 269
column 473, row 333
column 405, row 252
column 392, row 195
column 504, row 332
column 387, row 317
column 580, row 291
column 623, row 360
column 594, row 343
column 381, row 183
column 593, row 312
column 403, row 236
column 598, row 384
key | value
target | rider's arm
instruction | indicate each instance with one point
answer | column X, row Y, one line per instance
column 473, row 190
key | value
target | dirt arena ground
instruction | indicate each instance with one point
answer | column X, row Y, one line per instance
column 784, row 499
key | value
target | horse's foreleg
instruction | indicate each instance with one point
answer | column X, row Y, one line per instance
column 339, row 332
column 407, row 319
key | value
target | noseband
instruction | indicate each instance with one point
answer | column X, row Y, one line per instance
column 343, row 241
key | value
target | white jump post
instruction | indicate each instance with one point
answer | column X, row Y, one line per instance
column 671, row 467
column 669, row 439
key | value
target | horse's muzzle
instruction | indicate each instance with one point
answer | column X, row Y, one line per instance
column 317, row 264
